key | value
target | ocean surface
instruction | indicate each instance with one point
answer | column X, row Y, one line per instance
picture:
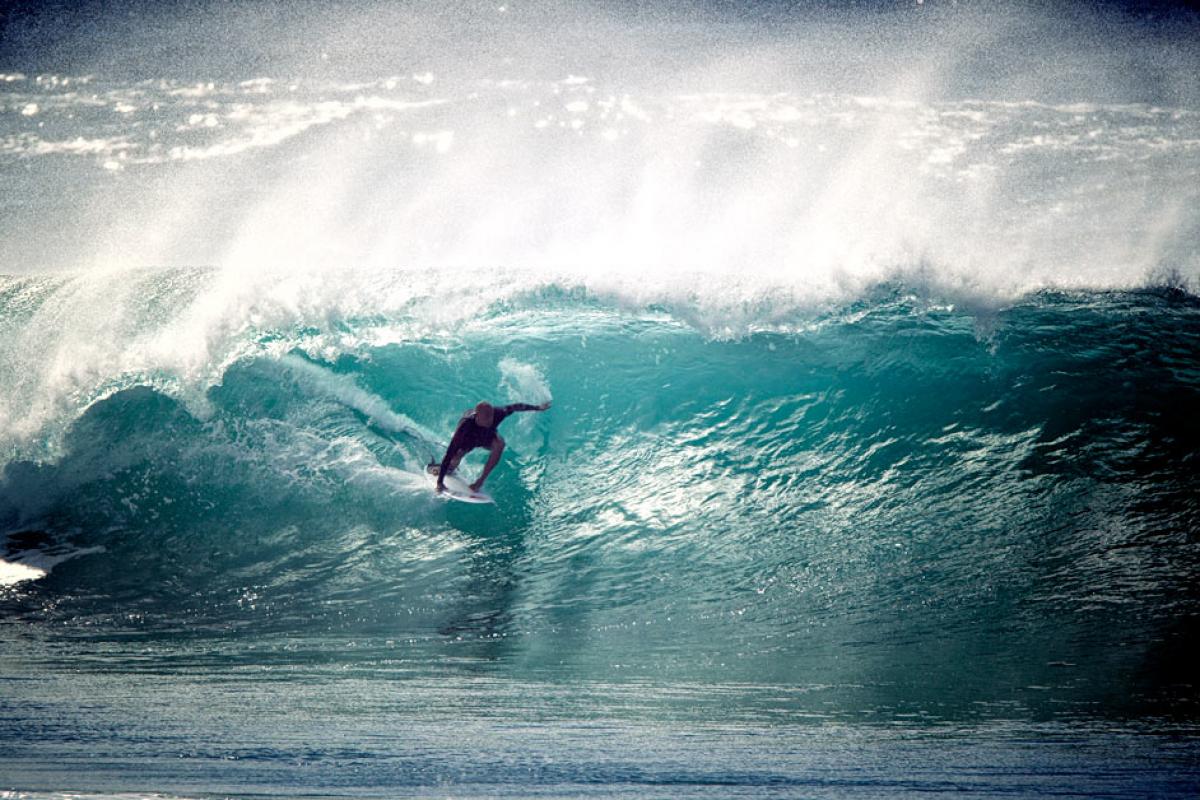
column 873, row 460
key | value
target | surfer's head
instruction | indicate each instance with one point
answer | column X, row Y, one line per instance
column 484, row 414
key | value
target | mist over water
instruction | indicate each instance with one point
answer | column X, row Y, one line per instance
column 1007, row 148
column 871, row 338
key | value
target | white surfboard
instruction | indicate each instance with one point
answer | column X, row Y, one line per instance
column 457, row 488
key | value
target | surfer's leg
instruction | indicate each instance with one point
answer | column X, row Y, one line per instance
column 493, row 459
column 453, row 465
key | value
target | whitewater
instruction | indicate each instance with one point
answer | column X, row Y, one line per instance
column 873, row 346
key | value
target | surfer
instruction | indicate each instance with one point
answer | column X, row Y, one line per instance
column 477, row 428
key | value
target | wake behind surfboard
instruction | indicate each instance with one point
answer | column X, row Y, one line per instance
column 457, row 488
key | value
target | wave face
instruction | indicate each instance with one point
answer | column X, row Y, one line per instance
column 933, row 507
column 871, row 337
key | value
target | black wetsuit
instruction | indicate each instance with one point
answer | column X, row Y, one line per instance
column 470, row 434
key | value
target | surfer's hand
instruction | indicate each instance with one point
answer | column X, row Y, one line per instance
column 544, row 406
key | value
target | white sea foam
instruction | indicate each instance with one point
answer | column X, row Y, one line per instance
column 32, row 565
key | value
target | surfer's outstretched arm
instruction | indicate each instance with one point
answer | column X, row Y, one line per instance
column 506, row 410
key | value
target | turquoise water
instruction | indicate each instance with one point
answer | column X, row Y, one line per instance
column 891, row 537
column 871, row 465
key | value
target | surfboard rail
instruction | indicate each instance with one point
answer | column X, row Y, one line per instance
column 456, row 488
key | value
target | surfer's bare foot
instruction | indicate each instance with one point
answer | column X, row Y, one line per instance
column 476, row 486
